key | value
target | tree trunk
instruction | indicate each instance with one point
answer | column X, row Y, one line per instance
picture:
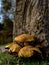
column 31, row 16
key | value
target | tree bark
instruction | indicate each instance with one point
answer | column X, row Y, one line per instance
column 31, row 16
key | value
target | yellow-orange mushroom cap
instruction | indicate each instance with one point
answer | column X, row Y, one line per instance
column 28, row 51
column 8, row 45
column 24, row 38
column 14, row 47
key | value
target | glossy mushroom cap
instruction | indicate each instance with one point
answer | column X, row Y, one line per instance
column 8, row 45
column 24, row 38
column 13, row 47
column 28, row 51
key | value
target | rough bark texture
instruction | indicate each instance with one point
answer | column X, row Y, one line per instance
column 31, row 16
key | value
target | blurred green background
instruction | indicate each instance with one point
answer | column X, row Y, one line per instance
column 6, row 21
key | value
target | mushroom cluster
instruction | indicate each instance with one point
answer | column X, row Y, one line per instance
column 21, row 46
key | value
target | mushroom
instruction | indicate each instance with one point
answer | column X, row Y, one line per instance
column 28, row 51
column 24, row 38
column 13, row 47
column 8, row 46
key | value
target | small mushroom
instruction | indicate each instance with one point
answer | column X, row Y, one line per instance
column 28, row 51
column 13, row 47
column 24, row 38
column 8, row 46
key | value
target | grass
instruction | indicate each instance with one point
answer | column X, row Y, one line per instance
column 7, row 59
